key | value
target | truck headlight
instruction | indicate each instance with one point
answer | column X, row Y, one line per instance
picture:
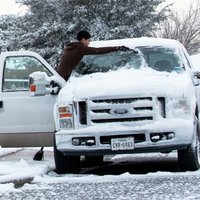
column 180, row 107
column 65, row 116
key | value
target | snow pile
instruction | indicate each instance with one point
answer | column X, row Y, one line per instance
column 5, row 188
column 17, row 169
column 6, row 151
column 20, row 170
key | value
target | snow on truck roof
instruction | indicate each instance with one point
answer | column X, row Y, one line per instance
column 135, row 42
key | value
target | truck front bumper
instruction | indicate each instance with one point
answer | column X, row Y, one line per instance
column 160, row 136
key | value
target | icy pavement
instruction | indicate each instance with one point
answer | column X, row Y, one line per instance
column 155, row 186
column 46, row 184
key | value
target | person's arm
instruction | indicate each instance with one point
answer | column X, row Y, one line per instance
column 102, row 50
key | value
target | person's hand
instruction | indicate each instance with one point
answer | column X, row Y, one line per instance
column 123, row 48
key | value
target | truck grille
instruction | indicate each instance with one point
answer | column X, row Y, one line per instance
column 116, row 110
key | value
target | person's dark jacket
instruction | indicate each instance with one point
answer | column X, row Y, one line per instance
column 74, row 52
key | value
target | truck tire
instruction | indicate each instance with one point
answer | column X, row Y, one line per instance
column 189, row 158
column 66, row 164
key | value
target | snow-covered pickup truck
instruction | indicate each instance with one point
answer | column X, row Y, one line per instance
column 138, row 101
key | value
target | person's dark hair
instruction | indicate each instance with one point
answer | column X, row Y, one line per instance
column 83, row 34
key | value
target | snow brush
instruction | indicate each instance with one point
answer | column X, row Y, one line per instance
column 39, row 155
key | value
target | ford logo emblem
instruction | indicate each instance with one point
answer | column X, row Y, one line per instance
column 120, row 111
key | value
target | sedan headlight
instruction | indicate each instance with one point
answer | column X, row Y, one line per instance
column 65, row 116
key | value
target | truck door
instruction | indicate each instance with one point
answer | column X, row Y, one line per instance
column 24, row 120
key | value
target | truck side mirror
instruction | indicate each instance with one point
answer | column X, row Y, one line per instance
column 196, row 78
column 40, row 84
column 197, row 74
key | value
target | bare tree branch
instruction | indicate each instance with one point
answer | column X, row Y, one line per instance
column 185, row 28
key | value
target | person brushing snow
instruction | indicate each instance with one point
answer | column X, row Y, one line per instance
column 74, row 52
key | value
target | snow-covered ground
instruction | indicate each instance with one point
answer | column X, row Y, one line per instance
column 6, row 151
column 44, row 176
column 20, row 168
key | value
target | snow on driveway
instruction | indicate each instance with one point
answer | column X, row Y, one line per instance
column 6, row 151
column 21, row 168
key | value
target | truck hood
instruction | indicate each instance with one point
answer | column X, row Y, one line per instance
column 127, row 82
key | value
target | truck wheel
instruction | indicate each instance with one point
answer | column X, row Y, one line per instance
column 94, row 160
column 66, row 164
column 189, row 159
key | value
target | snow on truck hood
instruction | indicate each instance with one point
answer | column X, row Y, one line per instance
column 126, row 82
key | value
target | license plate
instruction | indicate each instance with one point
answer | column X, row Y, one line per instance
column 122, row 144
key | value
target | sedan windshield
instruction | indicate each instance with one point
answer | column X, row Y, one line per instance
column 157, row 58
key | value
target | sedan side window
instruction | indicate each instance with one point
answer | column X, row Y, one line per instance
column 17, row 70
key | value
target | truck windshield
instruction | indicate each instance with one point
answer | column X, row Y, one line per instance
column 157, row 58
